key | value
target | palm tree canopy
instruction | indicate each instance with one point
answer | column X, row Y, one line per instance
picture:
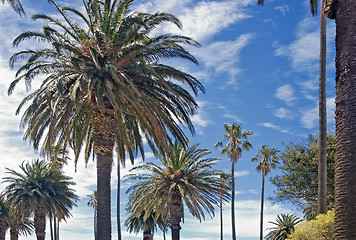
column 93, row 200
column 268, row 158
column 186, row 172
column 284, row 226
column 107, row 63
column 137, row 222
column 236, row 141
column 40, row 186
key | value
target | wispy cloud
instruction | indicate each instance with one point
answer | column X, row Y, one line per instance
column 285, row 93
column 274, row 127
column 283, row 9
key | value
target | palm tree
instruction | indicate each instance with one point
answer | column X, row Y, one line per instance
column 225, row 179
column 19, row 224
column 284, row 226
column 322, row 167
column 93, row 203
column 344, row 13
column 268, row 159
column 186, row 177
column 138, row 222
column 39, row 189
column 236, row 142
column 105, row 87
column 4, row 215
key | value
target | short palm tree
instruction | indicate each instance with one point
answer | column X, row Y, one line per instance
column 138, row 222
column 186, row 177
column 106, row 87
column 19, row 224
column 284, row 226
column 236, row 141
column 268, row 158
column 93, row 203
column 40, row 189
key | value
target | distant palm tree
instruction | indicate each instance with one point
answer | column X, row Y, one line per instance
column 138, row 222
column 4, row 215
column 236, row 142
column 106, row 87
column 225, row 179
column 93, row 203
column 185, row 177
column 268, row 159
column 39, row 189
column 285, row 224
column 19, row 224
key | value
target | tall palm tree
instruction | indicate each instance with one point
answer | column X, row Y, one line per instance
column 93, row 203
column 284, row 226
column 268, row 158
column 322, row 167
column 4, row 215
column 138, row 222
column 40, row 189
column 344, row 13
column 186, row 177
column 106, row 86
column 236, row 142
column 225, row 179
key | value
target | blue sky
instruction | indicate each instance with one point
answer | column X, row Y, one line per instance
column 259, row 66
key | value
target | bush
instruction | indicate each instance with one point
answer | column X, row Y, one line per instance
column 322, row 228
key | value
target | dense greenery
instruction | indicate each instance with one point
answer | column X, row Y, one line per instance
column 299, row 180
column 321, row 228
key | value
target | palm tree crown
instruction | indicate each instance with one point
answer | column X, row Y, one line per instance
column 284, row 226
column 268, row 159
column 186, row 176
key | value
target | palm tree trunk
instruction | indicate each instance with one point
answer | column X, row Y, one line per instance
column 104, row 128
column 233, row 200
column 2, row 230
column 262, row 202
column 51, row 224
column 345, row 120
column 221, row 220
column 55, row 227
column 322, row 166
column 40, row 223
column 147, row 234
column 118, row 202
column 14, row 234
column 95, row 224
column 176, row 213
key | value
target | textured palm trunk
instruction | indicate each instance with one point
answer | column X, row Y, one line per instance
column 262, row 203
column 104, row 128
column 2, row 230
column 221, row 220
column 14, row 234
column 345, row 120
column 322, row 166
column 147, row 233
column 175, row 214
column 233, row 200
column 40, row 223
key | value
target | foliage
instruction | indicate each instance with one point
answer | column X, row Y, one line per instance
column 39, row 185
column 299, row 181
column 268, row 158
column 284, row 226
column 321, row 228
column 186, row 172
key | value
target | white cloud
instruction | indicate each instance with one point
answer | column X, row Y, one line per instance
column 285, row 93
column 284, row 113
column 241, row 173
column 310, row 117
column 273, row 126
column 283, row 9
column 226, row 57
column 234, row 117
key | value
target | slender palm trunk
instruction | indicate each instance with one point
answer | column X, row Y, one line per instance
column 118, row 202
column 2, row 230
column 322, row 166
column 345, row 120
column 104, row 128
column 40, row 223
column 176, row 213
column 51, row 225
column 233, row 200
column 221, row 220
column 14, row 234
column 262, row 202
column 55, row 227
column 95, row 225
